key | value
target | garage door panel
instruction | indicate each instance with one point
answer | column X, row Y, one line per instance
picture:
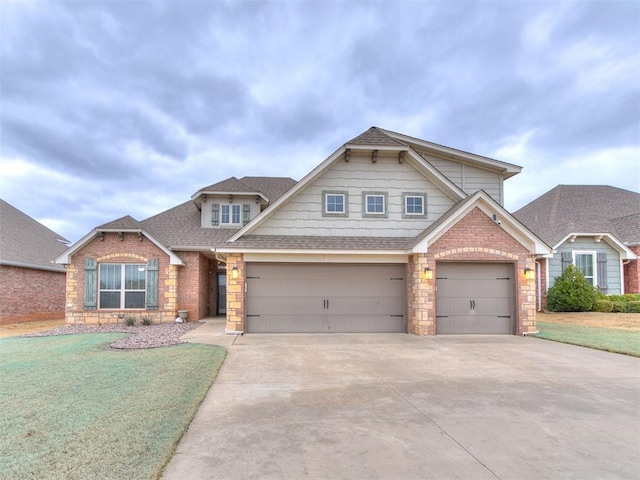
column 325, row 298
column 474, row 298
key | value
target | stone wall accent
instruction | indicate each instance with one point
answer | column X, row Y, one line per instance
column 235, row 294
column 420, row 297
column 29, row 295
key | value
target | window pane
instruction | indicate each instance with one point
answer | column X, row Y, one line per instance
column 414, row 205
column 134, row 300
column 109, row 299
column 110, row 277
column 224, row 218
column 236, row 214
column 375, row 204
column 135, row 277
column 335, row 203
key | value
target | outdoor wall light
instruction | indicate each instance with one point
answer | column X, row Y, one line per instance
column 234, row 272
column 428, row 273
column 529, row 273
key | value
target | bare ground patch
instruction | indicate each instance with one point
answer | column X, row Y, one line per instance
column 17, row 329
column 621, row 321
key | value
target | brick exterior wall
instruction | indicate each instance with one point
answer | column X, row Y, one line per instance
column 29, row 295
column 194, row 283
column 129, row 249
column 632, row 273
column 475, row 238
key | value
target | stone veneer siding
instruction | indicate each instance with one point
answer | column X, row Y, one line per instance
column 114, row 250
column 235, row 294
column 475, row 238
column 29, row 295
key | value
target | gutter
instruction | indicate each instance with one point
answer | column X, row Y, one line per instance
column 33, row 266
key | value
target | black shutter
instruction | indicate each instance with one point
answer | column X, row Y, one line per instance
column 152, row 284
column 603, row 284
column 90, row 284
column 567, row 259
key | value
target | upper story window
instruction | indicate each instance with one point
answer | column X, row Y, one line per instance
column 122, row 286
column 230, row 214
column 335, row 204
column 414, row 205
column 374, row 204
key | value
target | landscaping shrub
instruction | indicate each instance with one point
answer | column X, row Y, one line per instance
column 130, row 320
column 571, row 292
column 604, row 306
column 619, row 307
column 146, row 320
column 633, row 307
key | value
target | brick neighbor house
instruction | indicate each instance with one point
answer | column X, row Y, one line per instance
column 389, row 234
column 32, row 287
column 594, row 227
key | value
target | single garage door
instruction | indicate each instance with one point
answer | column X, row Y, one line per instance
column 474, row 298
column 321, row 298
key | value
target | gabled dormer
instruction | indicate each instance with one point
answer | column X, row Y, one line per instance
column 232, row 203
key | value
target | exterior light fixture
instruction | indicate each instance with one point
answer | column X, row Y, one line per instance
column 428, row 273
column 234, row 272
column 529, row 273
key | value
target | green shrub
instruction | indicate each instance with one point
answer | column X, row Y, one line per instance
column 604, row 306
column 633, row 307
column 619, row 307
column 571, row 292
column 130, row 320
column 146, row 320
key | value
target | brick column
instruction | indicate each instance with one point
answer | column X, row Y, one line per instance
column 235, row 293
column 421, row 296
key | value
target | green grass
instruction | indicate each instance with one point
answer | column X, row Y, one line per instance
column 609, row 339
column 73, row 408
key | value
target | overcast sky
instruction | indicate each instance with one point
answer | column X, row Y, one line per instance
column 129, row 107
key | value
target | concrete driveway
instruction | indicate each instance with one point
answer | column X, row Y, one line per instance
column 394, row 406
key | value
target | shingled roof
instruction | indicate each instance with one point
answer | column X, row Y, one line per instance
column 271, row 187
column 27, row 243
column 568, row 209
column 375, row 136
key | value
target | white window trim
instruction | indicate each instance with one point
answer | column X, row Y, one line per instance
column 594, row 262
column 122, row 289
column 230, row 206
column 407, row 195
column 367, row 196
column 325, row 204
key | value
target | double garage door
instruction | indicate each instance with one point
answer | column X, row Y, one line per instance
column 323, row 298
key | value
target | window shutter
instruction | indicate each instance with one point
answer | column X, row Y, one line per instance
column 246, row 213
column 567, row 259
column 215, row 214
column 603, row 284
column 152, row 284
column 90, row 284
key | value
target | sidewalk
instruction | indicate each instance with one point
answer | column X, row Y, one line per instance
column 211, row 333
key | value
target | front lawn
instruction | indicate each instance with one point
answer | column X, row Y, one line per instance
column 609, row 339
column 73, row 408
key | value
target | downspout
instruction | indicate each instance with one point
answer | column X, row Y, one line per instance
column 622, row 278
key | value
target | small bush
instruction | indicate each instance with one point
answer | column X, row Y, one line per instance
column 604, row 306
column 147, row 320
column 130, row 320
column 571, row 292
column 633, row 307
column 619, row 307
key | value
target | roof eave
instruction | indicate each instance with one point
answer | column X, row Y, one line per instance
column 625, row 252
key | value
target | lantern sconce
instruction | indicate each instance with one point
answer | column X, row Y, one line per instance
column 234, row 272
column 428, row 273
column 529, row 273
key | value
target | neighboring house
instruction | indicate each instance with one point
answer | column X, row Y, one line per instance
column 388, row 234
column 32, row 286
column 594, row 227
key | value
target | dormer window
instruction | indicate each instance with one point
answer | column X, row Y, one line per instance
column 230, row 214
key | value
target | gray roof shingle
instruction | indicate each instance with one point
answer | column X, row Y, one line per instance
column 26, row 242
column 272, row 187
column 375, row 136
column 323, row 243
column 569, row 209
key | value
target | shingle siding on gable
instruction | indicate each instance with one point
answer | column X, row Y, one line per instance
column 469, row 179
column 302, row 215
column 614, row 284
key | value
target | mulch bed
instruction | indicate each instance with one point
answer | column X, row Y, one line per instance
column 144, row 336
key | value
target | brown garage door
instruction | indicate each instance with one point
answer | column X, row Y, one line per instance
column 474, row 298
column 322, row 298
